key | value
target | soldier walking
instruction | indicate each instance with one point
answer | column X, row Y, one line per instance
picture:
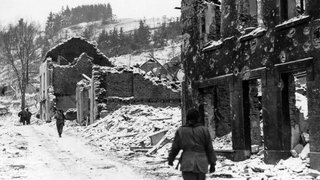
column 28, row 117
column 195, row 142
column 60, row 118
column 23, row 116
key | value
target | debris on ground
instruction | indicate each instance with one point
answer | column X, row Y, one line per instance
column 130, row 134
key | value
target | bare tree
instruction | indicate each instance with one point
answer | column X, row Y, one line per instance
column 19, row 49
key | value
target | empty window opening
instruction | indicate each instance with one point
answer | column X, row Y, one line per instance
column 252, row 113
column 300, row 6
column 210, row 21
column 291, row 8
column 248, row 13
column 284, row 9
column 217, row 116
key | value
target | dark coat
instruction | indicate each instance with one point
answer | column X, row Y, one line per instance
column 29, row 114
column 59, row 116
column 23, row 115
column 198, row 153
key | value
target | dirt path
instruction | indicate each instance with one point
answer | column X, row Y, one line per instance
column 36, row 152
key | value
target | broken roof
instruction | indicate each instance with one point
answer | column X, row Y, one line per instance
column 74, row 47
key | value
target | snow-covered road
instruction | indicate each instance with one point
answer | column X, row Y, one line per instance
column 36, row 152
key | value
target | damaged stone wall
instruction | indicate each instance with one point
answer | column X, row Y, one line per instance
column 118, row 86
column 119, row 83
column 146, row 88
column 65, row 79
column 268, row 50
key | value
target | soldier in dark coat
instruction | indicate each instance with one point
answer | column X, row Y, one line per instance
column 195, row 141
column 23, row 116
column 60, row 118
column 28, row 118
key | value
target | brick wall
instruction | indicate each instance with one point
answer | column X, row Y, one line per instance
column 146, row 88
column 119, row 86
column 65, row 78
column 66, row 102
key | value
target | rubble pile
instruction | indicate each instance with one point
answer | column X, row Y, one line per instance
column 255, row 168
column 130, row 126
column 224, row 142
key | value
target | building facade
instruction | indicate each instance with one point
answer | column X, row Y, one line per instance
column 234, row 50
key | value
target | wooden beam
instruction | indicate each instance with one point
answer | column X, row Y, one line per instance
column 86, row 77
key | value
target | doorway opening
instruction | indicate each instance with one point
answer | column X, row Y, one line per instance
column 217, row 115
column 252, row 114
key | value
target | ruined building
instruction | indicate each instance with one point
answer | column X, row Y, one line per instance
column 167, row 71
column 112, row 87
column 61, row 69
column 233, row 49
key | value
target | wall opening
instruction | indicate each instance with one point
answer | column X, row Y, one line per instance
column 248, row 13
column 300, row 6
column 291, row 8
column 210, row 21
column 217, row 115
column 295, row 110
column 299, row 114
column 252, row 114
column 284, row 10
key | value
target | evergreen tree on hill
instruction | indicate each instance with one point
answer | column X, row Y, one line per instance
column 143, row 34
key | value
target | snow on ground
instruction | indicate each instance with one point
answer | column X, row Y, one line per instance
column 36, row 152
column 130, row 124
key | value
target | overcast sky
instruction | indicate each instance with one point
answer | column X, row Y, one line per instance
column 38, row 10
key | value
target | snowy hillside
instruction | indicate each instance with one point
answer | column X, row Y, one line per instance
column 163, row 55
column 127, row 24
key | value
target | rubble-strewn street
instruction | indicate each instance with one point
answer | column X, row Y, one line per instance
column 142, row 90
column 130, row 125
column 36, row 152
column 117, row 147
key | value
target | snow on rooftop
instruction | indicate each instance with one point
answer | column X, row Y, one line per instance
column 294, row 19
column 212, row 44
column 254, row 32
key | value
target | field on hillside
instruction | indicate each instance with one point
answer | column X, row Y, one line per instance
column 127, row 24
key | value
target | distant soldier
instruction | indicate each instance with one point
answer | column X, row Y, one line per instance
column 60, row 118
column 195, row 141
column 23, row 116
column 29, row 114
